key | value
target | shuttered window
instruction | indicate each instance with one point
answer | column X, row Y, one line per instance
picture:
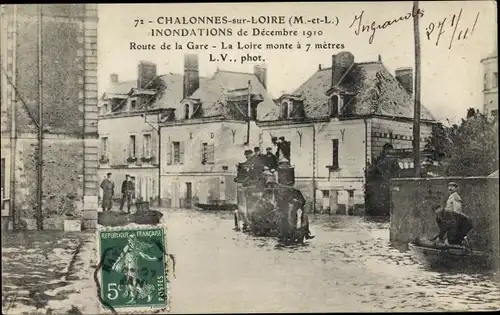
column 335, row 153
column 146, row 146
column 132, row 147
column 207, row 153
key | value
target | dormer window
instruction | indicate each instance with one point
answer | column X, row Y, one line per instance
column 186, row 111
column 105, row 108
column 133, row 104
column 285, row 110
column 334, row 106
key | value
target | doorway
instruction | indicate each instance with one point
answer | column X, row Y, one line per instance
column 189, row 195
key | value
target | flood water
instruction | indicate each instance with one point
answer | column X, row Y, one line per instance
column 349, row 266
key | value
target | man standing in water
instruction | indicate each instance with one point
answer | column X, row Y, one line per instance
column 127, row 192
column 453, row 224
column 108, row 190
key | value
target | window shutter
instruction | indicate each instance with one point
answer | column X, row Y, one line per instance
column 202, row 153
column 169, row 152
column 153, row 146
column 181, row 152
column 335, row 153
column 211, row 154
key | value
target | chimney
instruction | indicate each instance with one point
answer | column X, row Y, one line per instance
column 405, row 78
column 113, row 78
column 146, row 74
column 191, row 75
column 260, row 72
column 341, row 62
column 319, row 67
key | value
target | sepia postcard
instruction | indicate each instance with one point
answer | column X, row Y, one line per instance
column 281, row 157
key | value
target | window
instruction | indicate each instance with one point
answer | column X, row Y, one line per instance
column 326, row 193
column 253, row 112
column 494, row 113
column 284, row 108
column 334, row 106
column 495, row 79
column 485, row 81
column 186, row 111
column 104, row 146
column 133, row 104
column 177, row 152
column 335, row 153
column 146, row 149
column 132, row 147
column 207, row 153
column 105, row 108
column 351, row 193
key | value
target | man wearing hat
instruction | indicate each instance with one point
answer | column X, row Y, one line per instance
column 453, row 224
column 454, row 202
column 108, row 190
column 270, row 159
column 127, row 192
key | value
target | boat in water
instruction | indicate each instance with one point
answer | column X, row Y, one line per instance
column 435, row 255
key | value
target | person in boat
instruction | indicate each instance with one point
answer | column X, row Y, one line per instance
column 454, row 202
column 453, row 224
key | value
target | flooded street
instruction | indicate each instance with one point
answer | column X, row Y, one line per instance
column 349, row 266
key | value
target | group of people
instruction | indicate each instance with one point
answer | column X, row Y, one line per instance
column 108, row 192
column 259, row 166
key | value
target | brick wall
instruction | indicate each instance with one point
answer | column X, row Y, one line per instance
column 413, row 199
column 398, row 133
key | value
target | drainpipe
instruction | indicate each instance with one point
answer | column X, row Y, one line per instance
column 38, row 216
column 13, row 130
column 366, row 160
column 314, row 168
column 159, row 160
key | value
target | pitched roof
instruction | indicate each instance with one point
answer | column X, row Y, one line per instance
column 377, row 92
column 223, row 86
column 171, row 97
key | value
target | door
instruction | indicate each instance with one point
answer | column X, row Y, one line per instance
column 203, row 193
column 334, row 201
column 175, row 195
column 189, row 195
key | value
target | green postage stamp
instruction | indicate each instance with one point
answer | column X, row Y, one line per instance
column 132, row 275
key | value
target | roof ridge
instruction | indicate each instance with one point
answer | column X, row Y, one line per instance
column 238, row 72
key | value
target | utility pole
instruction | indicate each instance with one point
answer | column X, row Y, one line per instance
column 39, row 215
column 416, row 118
column 249, row 110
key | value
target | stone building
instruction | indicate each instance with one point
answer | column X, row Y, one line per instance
column 205, row 134
column 338, row 122
column 67, row 43
column 490, row 90
column 128, row 126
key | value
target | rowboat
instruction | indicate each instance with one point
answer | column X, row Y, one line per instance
column 449, row 256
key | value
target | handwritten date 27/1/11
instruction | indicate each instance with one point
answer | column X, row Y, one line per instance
column 435, row 30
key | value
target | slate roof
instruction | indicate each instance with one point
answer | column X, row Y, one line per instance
column 171, row 97
column 216, row 94
column 377, row 92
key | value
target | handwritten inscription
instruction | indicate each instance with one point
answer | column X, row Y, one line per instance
column 360, row 26
column 451, row 28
